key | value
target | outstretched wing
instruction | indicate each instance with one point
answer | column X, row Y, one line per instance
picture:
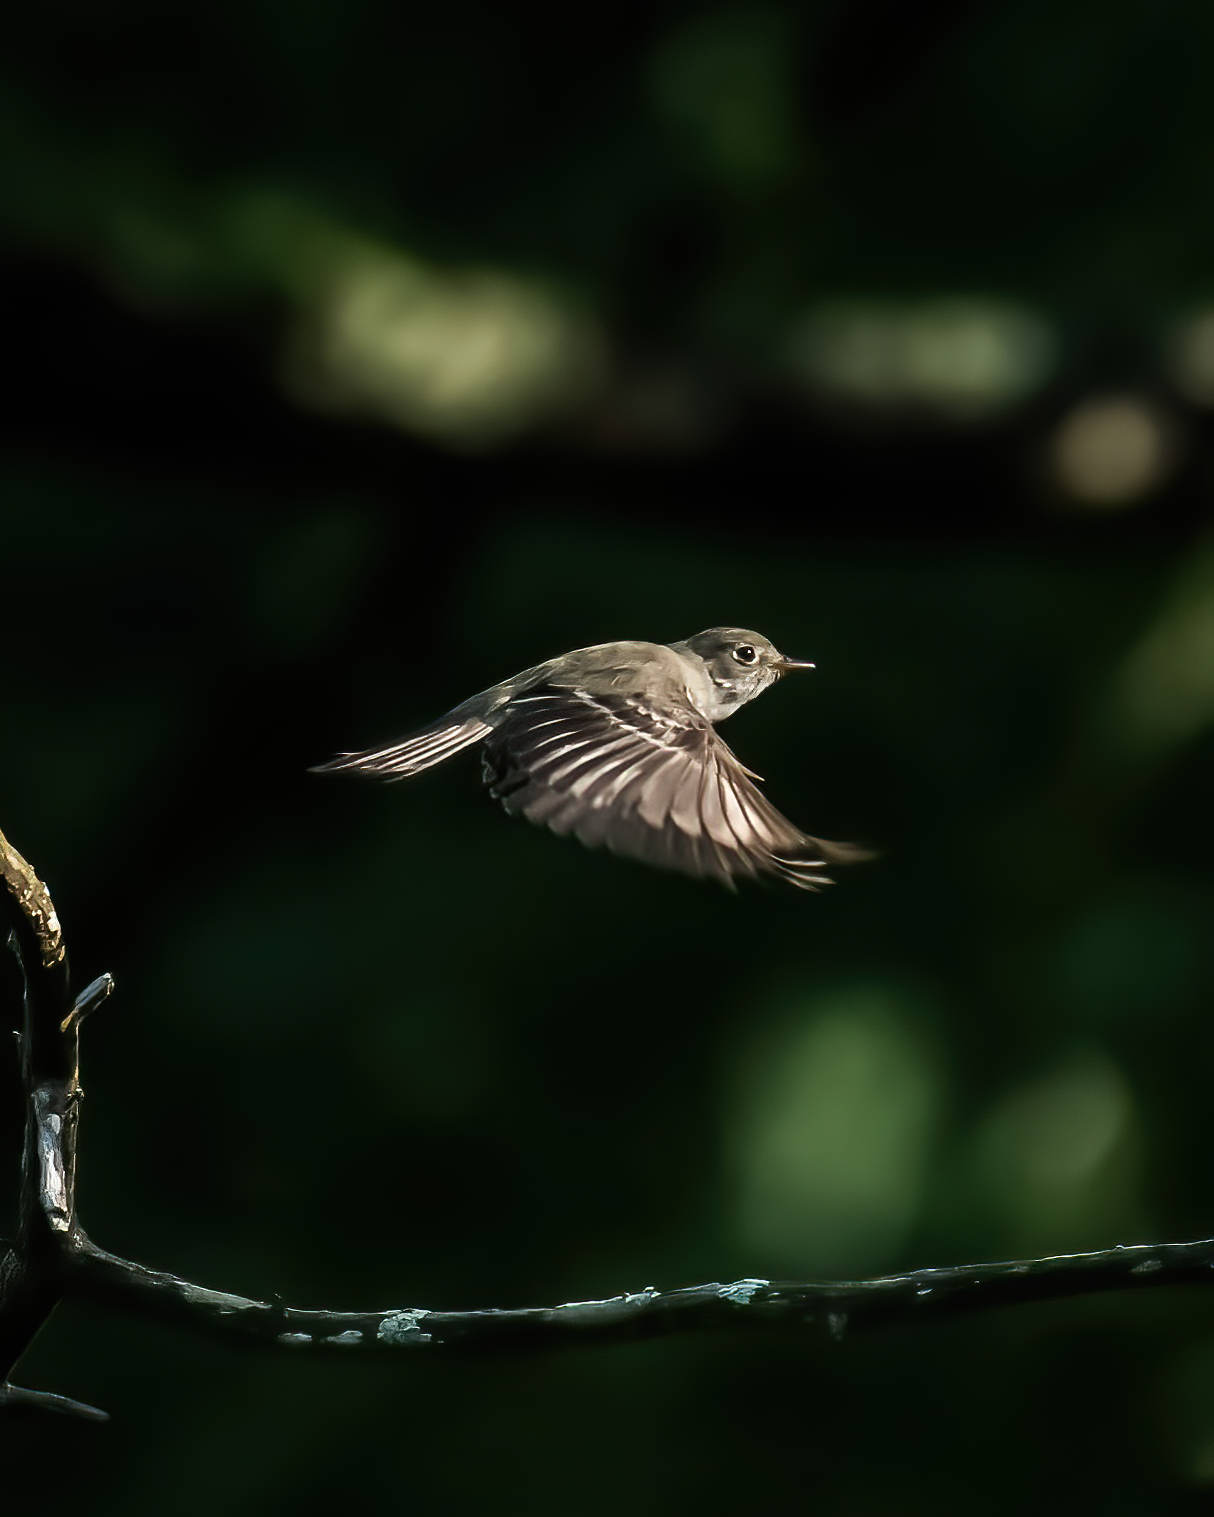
column 655, row 785
column 421, row 750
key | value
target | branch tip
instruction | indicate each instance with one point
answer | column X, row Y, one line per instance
column 88, row 1001
column 15, row 1399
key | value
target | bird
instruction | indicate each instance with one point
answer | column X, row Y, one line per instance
column 617, row 745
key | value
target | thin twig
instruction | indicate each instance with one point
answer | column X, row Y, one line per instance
column 89, row 999
column 14, row 1399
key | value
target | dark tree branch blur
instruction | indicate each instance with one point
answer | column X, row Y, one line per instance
column 52, row 1257
column 33, row 1268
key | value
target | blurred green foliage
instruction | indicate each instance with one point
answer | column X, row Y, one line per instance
column 294, row 290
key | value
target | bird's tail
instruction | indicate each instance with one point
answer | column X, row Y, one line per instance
column 396, row 761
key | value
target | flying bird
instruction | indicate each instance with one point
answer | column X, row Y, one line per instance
column 617, row 744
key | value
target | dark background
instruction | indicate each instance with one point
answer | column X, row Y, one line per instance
column 361, row 355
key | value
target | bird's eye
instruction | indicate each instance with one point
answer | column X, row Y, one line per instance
column 745, row 654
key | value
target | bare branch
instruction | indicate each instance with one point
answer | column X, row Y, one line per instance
column 830, row 1306
column 53, row 1257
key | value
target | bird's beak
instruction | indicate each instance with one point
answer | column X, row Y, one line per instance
column 787, row 664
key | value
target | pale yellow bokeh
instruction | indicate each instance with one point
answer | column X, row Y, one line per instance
column 1112, row 450
column 963, row 357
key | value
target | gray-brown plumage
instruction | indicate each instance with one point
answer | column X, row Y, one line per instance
column 616, row 744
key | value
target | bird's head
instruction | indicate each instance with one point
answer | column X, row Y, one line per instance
column 739, row 663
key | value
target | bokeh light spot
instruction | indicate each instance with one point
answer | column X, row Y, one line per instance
column 961, row 357
column 1043, row 1148
column 1191, row 357
column 1163, row 695
column 471, row 357
column 837, row 1108
column 1111, row 450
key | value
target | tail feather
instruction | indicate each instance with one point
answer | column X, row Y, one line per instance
column 396, row 761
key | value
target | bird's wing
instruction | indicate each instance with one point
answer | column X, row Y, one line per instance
column 655, row 784
column 396, row 761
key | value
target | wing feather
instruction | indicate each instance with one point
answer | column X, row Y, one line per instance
column 396, row 761
column 650, row 783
